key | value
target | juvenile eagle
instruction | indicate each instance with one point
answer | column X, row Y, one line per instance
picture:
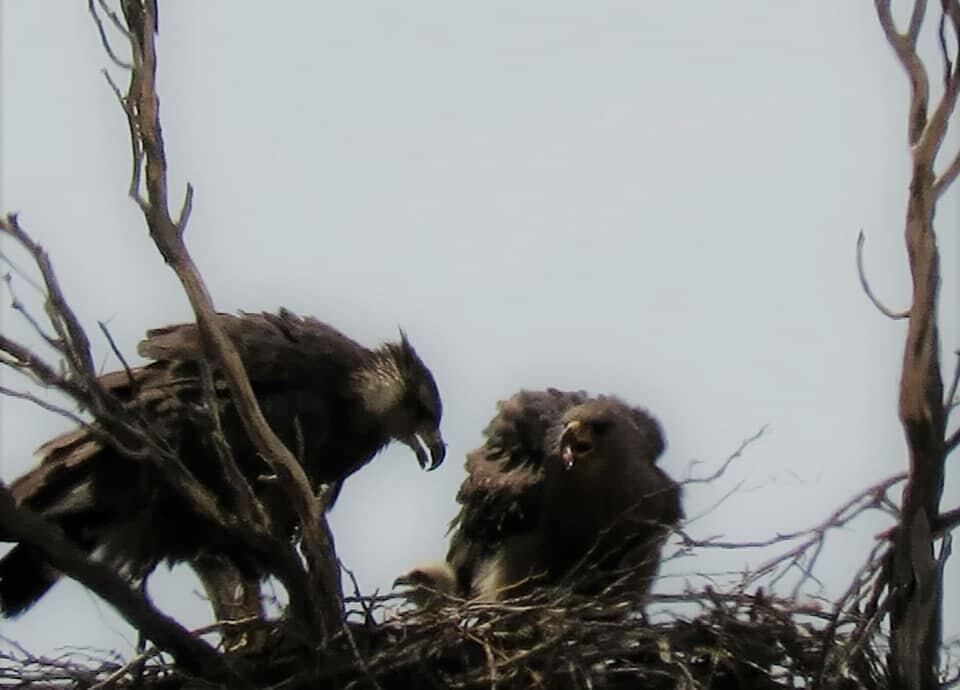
column 565, row 489
column 333, row 402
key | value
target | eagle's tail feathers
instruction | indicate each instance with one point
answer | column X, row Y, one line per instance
column 24, row 578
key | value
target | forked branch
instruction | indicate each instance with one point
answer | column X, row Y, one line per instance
column 142, row 106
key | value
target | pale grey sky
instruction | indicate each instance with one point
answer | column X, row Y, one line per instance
column 657, row 200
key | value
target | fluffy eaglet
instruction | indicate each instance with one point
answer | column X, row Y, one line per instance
column 565, row 490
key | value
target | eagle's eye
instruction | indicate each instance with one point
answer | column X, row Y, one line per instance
column 581, row 447
column 600, row 428
column 428, row 405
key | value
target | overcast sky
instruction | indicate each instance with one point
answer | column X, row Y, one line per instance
column 656, row 200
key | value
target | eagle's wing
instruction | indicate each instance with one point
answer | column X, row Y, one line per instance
column 296, row 365
column 500, row 498
column 104, row 500
column 81, row 486
column 276, row 348
column 634, row 546
column 654, row 508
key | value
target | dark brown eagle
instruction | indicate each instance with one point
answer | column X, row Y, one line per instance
column 564, row 490
column 333, row 402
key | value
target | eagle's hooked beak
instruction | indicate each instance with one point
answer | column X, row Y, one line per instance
column 428, row 447
column 575, row 441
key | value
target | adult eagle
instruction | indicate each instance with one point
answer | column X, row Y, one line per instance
column 333, row 402
column 565, row 489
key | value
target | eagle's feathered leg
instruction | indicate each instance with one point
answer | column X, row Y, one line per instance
column 234, row 596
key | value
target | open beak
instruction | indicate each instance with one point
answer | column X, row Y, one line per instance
column 575, row 442
column 428, row 447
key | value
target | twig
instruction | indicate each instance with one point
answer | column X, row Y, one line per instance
column 74, row 346
column 950, row 400
column 947, row 177
column 726, row 463
column 882, row 308
column 906, row 53
column 103, row 34
column 43, row 404
column 953, row 441
column 118, row 354
column 866, row 498
column 250, row 508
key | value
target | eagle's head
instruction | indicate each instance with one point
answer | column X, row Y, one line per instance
column 399, row 390
column 605, row 429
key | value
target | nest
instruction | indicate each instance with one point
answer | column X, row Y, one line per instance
column 553, row 639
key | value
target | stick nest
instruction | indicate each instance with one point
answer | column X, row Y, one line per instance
column 553, row 639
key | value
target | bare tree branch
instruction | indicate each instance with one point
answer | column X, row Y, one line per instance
column 726, row 463
column 945, row 522
column 947, row 177
column 913, row 578
column 916, row 21
column 192, row 653
column 117, row 353
column 950, row 400
column 953, row 441
column 65, row 323
column 43, row 404
column 906, row 52
column 812, row 537
column 108, row 48
column 883, row 309
column 142, row 107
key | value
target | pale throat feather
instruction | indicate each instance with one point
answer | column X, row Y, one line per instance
column 380, row 385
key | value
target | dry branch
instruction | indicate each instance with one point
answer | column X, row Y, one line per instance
column 865, row 284
column 318, row 605
column 193, row 654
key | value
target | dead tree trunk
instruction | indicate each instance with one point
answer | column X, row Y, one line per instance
column 915, row 583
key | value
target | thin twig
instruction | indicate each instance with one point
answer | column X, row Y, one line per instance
column 949, row 401
column 861, row 239
column 952, row 441
column 726, row 463
column 105, row 42
column 117, row 353
column 43, row 404
column 947, row 177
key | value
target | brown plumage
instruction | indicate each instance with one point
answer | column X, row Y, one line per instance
column 565, row 489
column 333, row 402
